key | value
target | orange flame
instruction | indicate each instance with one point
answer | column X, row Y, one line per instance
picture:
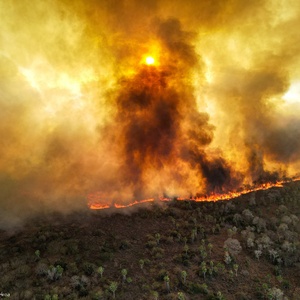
column 95, row 201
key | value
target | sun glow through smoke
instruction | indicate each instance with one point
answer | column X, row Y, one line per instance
column 293, row 93
column 150, row 60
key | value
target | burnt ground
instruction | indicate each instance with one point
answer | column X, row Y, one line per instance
column 155, row 244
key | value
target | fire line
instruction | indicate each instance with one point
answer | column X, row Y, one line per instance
column 94, row 204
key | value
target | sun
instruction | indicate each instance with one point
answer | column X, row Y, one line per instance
column 150, row 60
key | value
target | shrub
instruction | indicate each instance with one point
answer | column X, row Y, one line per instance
column 237, row 219
column 260, row 224
column 55, row 273
column 78, row 282
column 197, row 288
column 250, row 243
column 89, row 268
column 257, row 253
column 233, row 246
column 227, row 258
column 275, row 294
column 247, row 215
column 98, row 295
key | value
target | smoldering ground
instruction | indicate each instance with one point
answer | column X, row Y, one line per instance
column 82, row 113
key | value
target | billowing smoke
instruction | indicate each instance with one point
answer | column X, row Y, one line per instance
column 82, row 113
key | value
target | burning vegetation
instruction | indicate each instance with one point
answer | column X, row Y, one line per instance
column 118, row 101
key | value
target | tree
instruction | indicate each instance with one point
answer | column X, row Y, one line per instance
column 186, row 249
column 37, row 254
column 55, row 273
column 203, row 268
column 124, row 274
column 235, row 268
column 157, row 238
column 100, row 271
column 193, row 235
column 209, row 246
column 155, row 295
column 113, row 288
column 257, row 253
column 167, row 281
column 180, row 296
column 227, row 258
column 220, row 296
column 183, row 276
column 233, row 246
column 141, row 263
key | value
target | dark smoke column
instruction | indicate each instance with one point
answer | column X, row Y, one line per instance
column 149, row 119
column 159, row 126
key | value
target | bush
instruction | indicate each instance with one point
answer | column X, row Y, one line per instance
column 275, row 294
column 89, row 268
column 197, row 288
column 233, row 246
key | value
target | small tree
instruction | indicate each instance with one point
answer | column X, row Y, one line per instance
column 203, row 268
column 193, row 235
column 180, row 296
column 235, row 268
column 220, row 296
column 113, row 288
column 167, row 282
column 37, row 254
column 141, row 263
column 100, row 271
column 209, row 246
column 227, row 258
column 99, row 295
column 183, row 276
column 273, row 255
column 203, row 255
column 157, row 238
column 55, row 273
column 155, row 295
column 124, row 274
column 258, row 253
column 59, row 271
column 186, row 249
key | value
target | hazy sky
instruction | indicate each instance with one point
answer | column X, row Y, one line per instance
column 81, row 113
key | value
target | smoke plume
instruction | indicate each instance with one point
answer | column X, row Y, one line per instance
column 82, row 113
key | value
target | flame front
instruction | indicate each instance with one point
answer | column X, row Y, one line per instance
column 83, row 112
column 96, row 203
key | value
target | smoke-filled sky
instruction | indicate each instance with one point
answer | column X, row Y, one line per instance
column 81, row 112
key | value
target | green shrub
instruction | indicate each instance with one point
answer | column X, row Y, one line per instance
column 89, row 268
column 197, row 288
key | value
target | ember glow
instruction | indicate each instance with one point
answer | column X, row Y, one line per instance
column 134, row 99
